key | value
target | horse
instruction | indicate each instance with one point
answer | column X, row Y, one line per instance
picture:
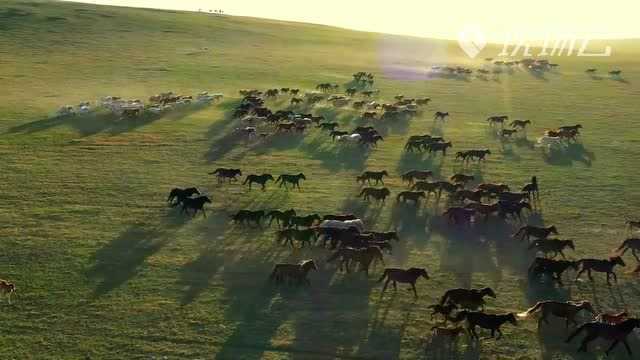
column 472, row 195
column 528, row 231
column 507, row 133
column 342, row 217
column 633, row 244
column 414, row 196
column 385, row 236
column 330, row 126
column 426, row 186
column 447, row 187
column 484, row 209
column 486, row 321
column 224, row 173
column 439, row 115
column 282, row 218
column 336, row 134
column 567, row 310
column 306, row 221
column 363, row 256
column 554, row 268
column 258, row 179
column 295, row 273
column 303, row 236
column 409, row 276
column 493, row 120
column 195, row 204
column 451, row 334
column 477, row 154
column 180, row 194
column 459, row 215
column 599, row 265
column 465, row 297
column 513, row 196
column 435, row 147
column 617, row 333
column 378, row 194
column 347, row 224
column 552, row 246
column 294, row 180
column 372, row 175
column 612, row 319
column 461, row 178
column 532, row 188
column 522, row 124
column 7, row 288
column 247, row 216
column 493, row 188
column 444, row 310
column 412, row 175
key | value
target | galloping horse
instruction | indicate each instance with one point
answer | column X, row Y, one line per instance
column 295, row 273
column 554, row 268
column 617, row 333
column 224, row 173
column 180, row 194
column 195, row 204
column 552, row 246
column 408, row 276
column 599, row 265
column 258, row 179
column 528, row 231
column 467, row 298
column 378, row 194
column 486, row 321
column 567, row 310
column 294, row 180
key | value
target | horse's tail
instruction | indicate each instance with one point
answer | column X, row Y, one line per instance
column 575, row 333
column 532, row 310
column 384, row 275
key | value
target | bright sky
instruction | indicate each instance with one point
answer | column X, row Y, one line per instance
column 498, row 19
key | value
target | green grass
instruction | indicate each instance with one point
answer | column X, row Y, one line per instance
column 105, row 270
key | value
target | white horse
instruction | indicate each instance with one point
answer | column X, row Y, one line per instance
column 337, row 224
column 550, row 142
column 353, row 138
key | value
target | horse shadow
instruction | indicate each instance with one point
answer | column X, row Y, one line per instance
column 524, row 142
column 417, row 161
column 101, row 121
column 412, row 223
column 437, row 348
column 620, row 80
column 223, row 139
column 334, row 156
column 566, row 156
column 124, row 257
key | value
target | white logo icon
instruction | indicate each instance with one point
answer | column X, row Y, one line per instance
column 472, row 41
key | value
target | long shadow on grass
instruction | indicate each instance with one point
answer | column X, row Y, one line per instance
column 566, row 156
column 420, row 161
column 123, row 258
column 335, row 156
column 101, row 121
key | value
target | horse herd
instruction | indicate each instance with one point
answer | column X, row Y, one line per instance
column 353, row 247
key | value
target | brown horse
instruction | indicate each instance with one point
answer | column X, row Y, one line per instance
column 224, row 173
column 567, row 310
column 599, row 265
column 372, row 175
column 528, row 231
column 552, row 246
column 554, row 268
column 378, row 194
column 363, row 256
column 258, row 179
column 618, row 333
column 462, row 178
column 414, row 196
column 294, row 273
column 412, row 175
column 7, row 288
column 409, row 276
column 632, row 244
column 522, row 124
column 467, row 298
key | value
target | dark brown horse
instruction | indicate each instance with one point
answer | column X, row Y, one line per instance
column 282, row 218
column 294, row 180
column 552, row 246
column 462, row 178
column 618, row 333
column 372, row 175
column 294, row 273
column 224, row 173
column 486, row 321
column 412, row 175
column 566, row 310
column 409, row 276
column 195, row 204
column 632, row 244
column 378, row 194
column 248, row 216
column 414, row 196
column 179, row 195
column 467, row 298
column 258, row 179
column 554, row 268
column 528, row 231
column 599, row 265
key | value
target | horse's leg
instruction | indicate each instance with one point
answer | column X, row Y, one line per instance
column 386, row 283
column 415, row 292
column 615, row 277
column 395, row 286
column 613, row 345
column 578, row 274
column 633, row 252
column 204, row 213
column 626, row 345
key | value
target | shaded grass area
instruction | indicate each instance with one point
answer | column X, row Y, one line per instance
column 106, row 270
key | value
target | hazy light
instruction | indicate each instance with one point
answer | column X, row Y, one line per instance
column 440, row 19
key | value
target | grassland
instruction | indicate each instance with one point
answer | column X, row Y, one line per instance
column 105, row 270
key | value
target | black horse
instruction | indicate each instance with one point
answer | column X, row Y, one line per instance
column 224, row 173
column 195, row 204
column 294, row 180
column 258, row 179
column 180, row 194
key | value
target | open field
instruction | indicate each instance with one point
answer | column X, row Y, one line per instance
column 105, row 270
